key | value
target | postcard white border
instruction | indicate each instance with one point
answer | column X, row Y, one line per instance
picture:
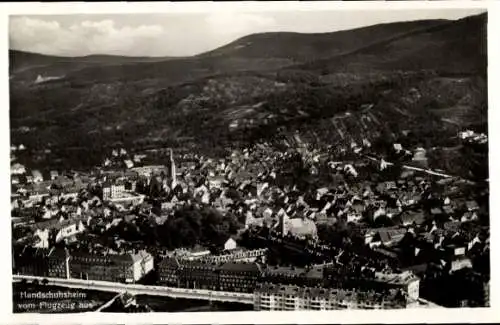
column 348, row 317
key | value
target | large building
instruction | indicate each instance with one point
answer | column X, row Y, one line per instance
column 199, row 275
column 112, row 190
column 169, row 272
column 127, row 268
column 405, row 281
column 293, row 276
column 50, row 263
column 290, row 298
column 184, row 273
column 239, row 277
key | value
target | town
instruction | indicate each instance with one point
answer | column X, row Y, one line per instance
column 297, row 228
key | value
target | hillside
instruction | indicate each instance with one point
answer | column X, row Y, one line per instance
column 457, row 47
column 309, row 47
column 372, row 83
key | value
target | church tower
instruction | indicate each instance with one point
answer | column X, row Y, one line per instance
column 172, row 171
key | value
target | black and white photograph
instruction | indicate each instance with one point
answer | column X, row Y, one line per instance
column 308, row 160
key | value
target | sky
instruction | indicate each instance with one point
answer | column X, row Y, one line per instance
column 184, row 34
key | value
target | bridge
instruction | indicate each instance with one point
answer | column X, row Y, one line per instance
column 109, row 303
column 136, row 289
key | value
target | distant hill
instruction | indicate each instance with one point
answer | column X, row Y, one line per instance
column 27, row 66
column 299, row 47
column 428, row 77
column 452, row 47
column 22, row 60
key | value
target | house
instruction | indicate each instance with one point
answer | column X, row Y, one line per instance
column 469, row 216
column 203, row 197
column 299, row 227
column 37, row 176
column 473, row 241
column 451, row 227
column 406, row 280
column 378, row 213
column 129, row 163
column 391, row 185
column 250, row 220
column 264, row 212
column 161, row 219
column 354, row 215
column 472, row 206
column 216, row 181
column 384, row 236
column 459, row 263
column 436, row 211
column 61, row 229
column 222, row 203
column 261, row 187
column 142, row 264
column 230, row 244
column 43, row 238
column 54, row 174
column 412, row 217
column 167, row 206
column 17, row 169
column 448, row 210
column 392, row 212
column 409, row 199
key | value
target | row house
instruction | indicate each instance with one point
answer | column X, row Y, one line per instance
column 235, row 277
column 168, row 272
column 405, row 282
column 292, row 276
column 239, row 277
column 198, row 275
column 237, row 255
column 269, row 297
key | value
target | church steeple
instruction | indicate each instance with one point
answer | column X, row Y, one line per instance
column 173, row 171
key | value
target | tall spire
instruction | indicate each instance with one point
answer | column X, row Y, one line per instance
column 173, row 172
